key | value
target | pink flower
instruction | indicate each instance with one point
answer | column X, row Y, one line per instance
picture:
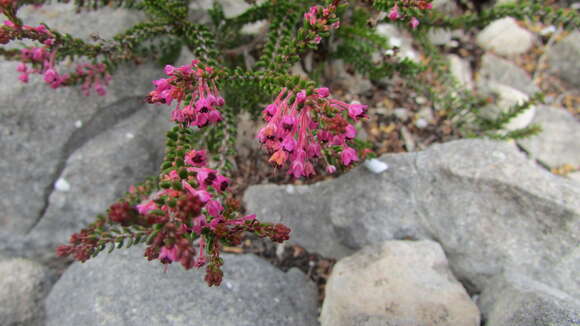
column 357, row 111
column 221, row 183
column 414, row 22
column 296, row 169
column 50, row 76
column 196, row 158
column 23, row 77
column 317, row 39
column 199, row 223
column 146, row 207
column 168, row 255
column 214, row 208
column 348, row 155
column 350, row 132
column 21, row 67
column 394, row 13
column 331, row 169
column 322, row 92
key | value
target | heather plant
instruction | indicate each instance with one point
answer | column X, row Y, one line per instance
column 188, row 213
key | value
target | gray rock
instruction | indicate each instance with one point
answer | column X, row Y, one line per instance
column 563, row 59
column 396, row 282
column 497, row 70
column 461, row 70
column 439, row 36
column 124, row 289
column 39, row 130
column 505, row 37
column 63, row 18
column 515, row 300
column 488, row 206
column 98, row 173
column 23, row 286
column 507, row 97
column 557, row 144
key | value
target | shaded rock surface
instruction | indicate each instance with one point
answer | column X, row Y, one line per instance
column 23, row 286
column 505, row 37
column 497, row 70
column 515, row 300
column 41, row 127
column 397, row 283
column 558, row 143
column 493, row 211
column 124, row 289
column 563, row 59
column 115, row 152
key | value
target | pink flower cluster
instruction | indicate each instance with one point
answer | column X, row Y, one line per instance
column 302, row 129
column 395, row 13
column 195, row 92
column 41, row 60
column 320, row 20
column 95, row 76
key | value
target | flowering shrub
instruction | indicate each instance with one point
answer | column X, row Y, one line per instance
column 187, row 213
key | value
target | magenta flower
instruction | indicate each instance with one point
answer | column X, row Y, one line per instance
column 146, row 207
column 414, row 22
column 348, row 155
column 168, row 255
column 301, row 128
column 196, row 158
column 195, row 84
column 214, row 208
column 394, row 13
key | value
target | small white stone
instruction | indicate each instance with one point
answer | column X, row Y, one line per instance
column 421, row 100
column 290, row 189
column 421, row 123
column 548, row 30
column 129, row 135
column 395, row 42
column 62, row 185
column 78, row 123
column 376, row 166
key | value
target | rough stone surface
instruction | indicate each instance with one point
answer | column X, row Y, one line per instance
column 495, row 210
column 507, row 97
column 557, row 144
column 124, row 289
column 497, row 70
column 515, row 300
column 62, row 17
column 461, row 70
column 96, row 174
column 23, row 286
column 563, row 59
column 38, row 131
column 505, row 37
column 397, row 283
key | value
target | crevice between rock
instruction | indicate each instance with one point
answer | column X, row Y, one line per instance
column 104, row 119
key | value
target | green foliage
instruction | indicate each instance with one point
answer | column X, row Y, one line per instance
column 359, row 42
column 534, row 10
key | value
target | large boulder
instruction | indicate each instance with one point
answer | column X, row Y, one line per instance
column 505, row 37
column 396, row 283
column 485, row 202
column 563, row 59
column 515, row 300
column 23, row 286
column 495, row 70
column 40, row 127
column 124, row 289
column 557, row 144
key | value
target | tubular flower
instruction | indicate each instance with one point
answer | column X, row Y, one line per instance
column 195, row 92
column 302, row 129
